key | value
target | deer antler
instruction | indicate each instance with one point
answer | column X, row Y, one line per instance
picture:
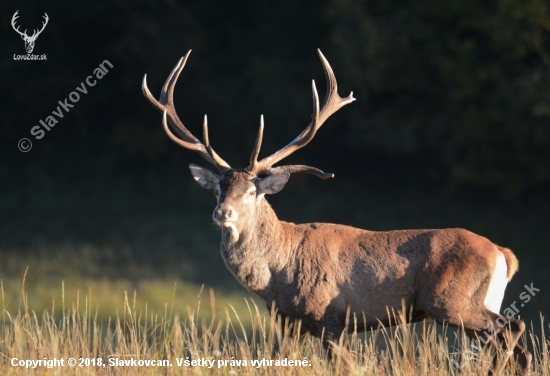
column 36, row 33
column 166, row 106
column 16, row 28
column 333, row 102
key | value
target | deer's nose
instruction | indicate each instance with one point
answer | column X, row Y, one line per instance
column 224, row 213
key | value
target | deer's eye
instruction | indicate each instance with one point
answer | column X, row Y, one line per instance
column 217, row 193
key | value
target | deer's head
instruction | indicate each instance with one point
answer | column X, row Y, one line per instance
column 29, row 40
column 240, row 191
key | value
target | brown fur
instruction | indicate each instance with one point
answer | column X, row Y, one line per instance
column 511, row 261
column 315, row 272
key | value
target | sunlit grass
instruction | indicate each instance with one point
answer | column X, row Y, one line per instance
column 209, row 329
column 105, row 297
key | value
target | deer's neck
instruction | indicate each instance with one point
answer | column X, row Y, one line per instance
column 258, row 249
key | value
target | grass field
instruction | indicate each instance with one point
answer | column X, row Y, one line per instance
column 222, row 339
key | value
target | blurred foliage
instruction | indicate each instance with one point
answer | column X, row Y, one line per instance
column 463, row 85
column 467, row 82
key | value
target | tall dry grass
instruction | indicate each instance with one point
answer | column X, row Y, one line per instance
column 75, row 332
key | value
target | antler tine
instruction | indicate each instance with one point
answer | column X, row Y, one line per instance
column 333, row 102
column 13, row 21
column 301, row 168
column 257, row 146
column 206, row 140
column 44, row 23
column 186, row 144
column 166, row 106
column 167, row 99
column 205, row 132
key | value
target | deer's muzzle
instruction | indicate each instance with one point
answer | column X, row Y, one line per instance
column 224, row 215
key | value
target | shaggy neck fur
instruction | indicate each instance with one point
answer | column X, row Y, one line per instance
column 256, row 250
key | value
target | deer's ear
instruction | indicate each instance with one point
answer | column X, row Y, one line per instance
column 273, row 183
column 205, row 178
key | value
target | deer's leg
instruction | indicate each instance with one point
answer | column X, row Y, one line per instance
column 333, row 330
column 509, row 335
column 280, row 332
column 284, row 328
column 523, row 360
column 505, row 333
column 495, row 330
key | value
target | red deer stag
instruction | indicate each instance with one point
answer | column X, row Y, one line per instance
column 319, row 272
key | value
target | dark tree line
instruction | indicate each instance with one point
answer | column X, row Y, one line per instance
column 464, row 85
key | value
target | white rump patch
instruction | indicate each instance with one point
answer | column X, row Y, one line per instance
column 497, row 285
